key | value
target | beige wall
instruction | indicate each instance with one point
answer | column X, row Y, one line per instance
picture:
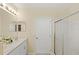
column 27, row 19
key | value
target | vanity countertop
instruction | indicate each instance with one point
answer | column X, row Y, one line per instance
column 10, row 47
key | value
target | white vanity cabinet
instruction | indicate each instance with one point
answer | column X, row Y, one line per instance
column 19, row 50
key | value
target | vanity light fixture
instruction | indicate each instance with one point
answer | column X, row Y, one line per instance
column 7, row 8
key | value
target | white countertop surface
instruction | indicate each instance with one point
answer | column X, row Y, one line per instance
column 10, row 47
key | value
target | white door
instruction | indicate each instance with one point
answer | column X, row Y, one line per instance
column 71, row 42
column 43, row 36
column 59, row 38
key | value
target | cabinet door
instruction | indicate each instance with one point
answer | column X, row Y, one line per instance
column 20, row 50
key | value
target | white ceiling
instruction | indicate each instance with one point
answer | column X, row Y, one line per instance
column 50, row 9
column 54, row 5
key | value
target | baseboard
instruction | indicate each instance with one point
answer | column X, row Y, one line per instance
column 31, row 53
column 47, row 53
